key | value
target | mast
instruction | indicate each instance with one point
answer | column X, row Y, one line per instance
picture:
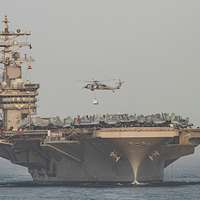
column 17, row 97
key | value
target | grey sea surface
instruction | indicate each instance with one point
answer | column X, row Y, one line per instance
column 182, row 181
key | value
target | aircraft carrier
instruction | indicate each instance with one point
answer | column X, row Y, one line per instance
column 110, row 148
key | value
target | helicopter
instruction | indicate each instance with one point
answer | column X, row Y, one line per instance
column 99, row 85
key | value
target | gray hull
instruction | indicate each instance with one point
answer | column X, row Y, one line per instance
column 95, row 160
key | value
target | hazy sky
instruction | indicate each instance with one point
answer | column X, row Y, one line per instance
column 153, row 46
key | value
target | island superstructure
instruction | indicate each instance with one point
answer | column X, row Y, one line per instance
column 17, row 97
column 91, row 149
